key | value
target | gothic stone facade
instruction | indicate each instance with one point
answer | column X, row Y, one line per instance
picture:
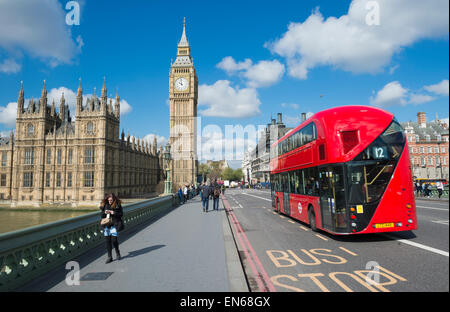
column 183, row 95
column 53, row 159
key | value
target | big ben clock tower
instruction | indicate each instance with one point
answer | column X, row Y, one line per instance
column 183, row 95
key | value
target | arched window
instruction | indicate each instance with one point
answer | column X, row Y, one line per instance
column 90, row 128
column 30, row 129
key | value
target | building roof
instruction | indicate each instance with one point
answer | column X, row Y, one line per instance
column 432, row 129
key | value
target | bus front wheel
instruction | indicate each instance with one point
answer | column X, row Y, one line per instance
column 312, row 219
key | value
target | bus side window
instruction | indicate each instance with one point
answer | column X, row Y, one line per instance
column 302, row 182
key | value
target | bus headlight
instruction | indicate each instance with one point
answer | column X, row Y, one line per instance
column 410, row 220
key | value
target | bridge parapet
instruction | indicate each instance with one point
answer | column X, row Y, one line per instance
column 28, row 253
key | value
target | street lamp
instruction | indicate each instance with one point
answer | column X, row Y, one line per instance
column 167, row 158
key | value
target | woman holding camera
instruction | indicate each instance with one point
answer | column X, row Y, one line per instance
column 112, row 223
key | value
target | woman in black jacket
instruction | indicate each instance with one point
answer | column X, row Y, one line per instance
column 111, row 207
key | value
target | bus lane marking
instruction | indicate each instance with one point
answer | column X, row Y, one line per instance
column 368, row 278
column 303, row 228
column 321, row 237
column 348, row 251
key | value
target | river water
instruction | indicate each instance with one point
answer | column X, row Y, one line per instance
column 14, row 220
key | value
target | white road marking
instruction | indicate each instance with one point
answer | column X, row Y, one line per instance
column 441, row 222
column 257, row 197
column 425, row 207
column 428, row 248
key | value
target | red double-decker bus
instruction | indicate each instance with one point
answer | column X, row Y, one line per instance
column 345, row 170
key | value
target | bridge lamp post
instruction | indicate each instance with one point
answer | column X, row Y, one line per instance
column 168, row 182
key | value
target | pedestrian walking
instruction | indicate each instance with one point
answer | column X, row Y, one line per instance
column 418, row 188
column 440, row 188
column 185, row 193
column 429, row 188
column 112, row 224
column 424, row 189
column 216, row 196
column 205, row 197
column 180, row 195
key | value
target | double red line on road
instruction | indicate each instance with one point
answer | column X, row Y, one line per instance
column 262, row 279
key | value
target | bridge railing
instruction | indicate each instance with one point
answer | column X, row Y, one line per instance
column 28, row 253
column 435, row 194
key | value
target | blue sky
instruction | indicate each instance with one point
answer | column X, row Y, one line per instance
column 244, row 50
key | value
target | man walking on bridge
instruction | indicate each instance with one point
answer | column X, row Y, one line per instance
column 216, row 195
column 206, row 192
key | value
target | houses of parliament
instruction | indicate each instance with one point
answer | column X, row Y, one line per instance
column 54, row 160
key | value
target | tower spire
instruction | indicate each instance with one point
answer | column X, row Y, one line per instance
column 183, row 41
column 117, row 105
column 104, row 87
column 21, row 99
column 79, row 99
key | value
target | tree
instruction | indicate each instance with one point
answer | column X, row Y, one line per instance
column 228, row 174
column 216, row 171
column 238, row 174
column 204, row 170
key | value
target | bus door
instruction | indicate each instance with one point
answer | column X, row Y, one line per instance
column 287, row 204
column 332, row 198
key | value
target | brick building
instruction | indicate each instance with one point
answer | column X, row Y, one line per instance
column 428, row 147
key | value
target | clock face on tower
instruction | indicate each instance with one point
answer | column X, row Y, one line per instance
column 181, row 84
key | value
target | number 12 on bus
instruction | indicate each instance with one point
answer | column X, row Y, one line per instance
column 345, row 170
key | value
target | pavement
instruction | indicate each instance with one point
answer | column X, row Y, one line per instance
column 186, row 250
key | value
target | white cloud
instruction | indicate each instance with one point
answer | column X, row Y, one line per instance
column 392, row 94
column 10, row 66
column 37, row 28
column 222, row 100
column 392, row 69
column 420, row 98
column 262, row 74
column 229, row 65
column 350, row 44
column 8, row 114
column 441, row 88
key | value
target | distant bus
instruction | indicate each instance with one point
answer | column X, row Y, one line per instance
column 431, row 181
column 345, row 170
